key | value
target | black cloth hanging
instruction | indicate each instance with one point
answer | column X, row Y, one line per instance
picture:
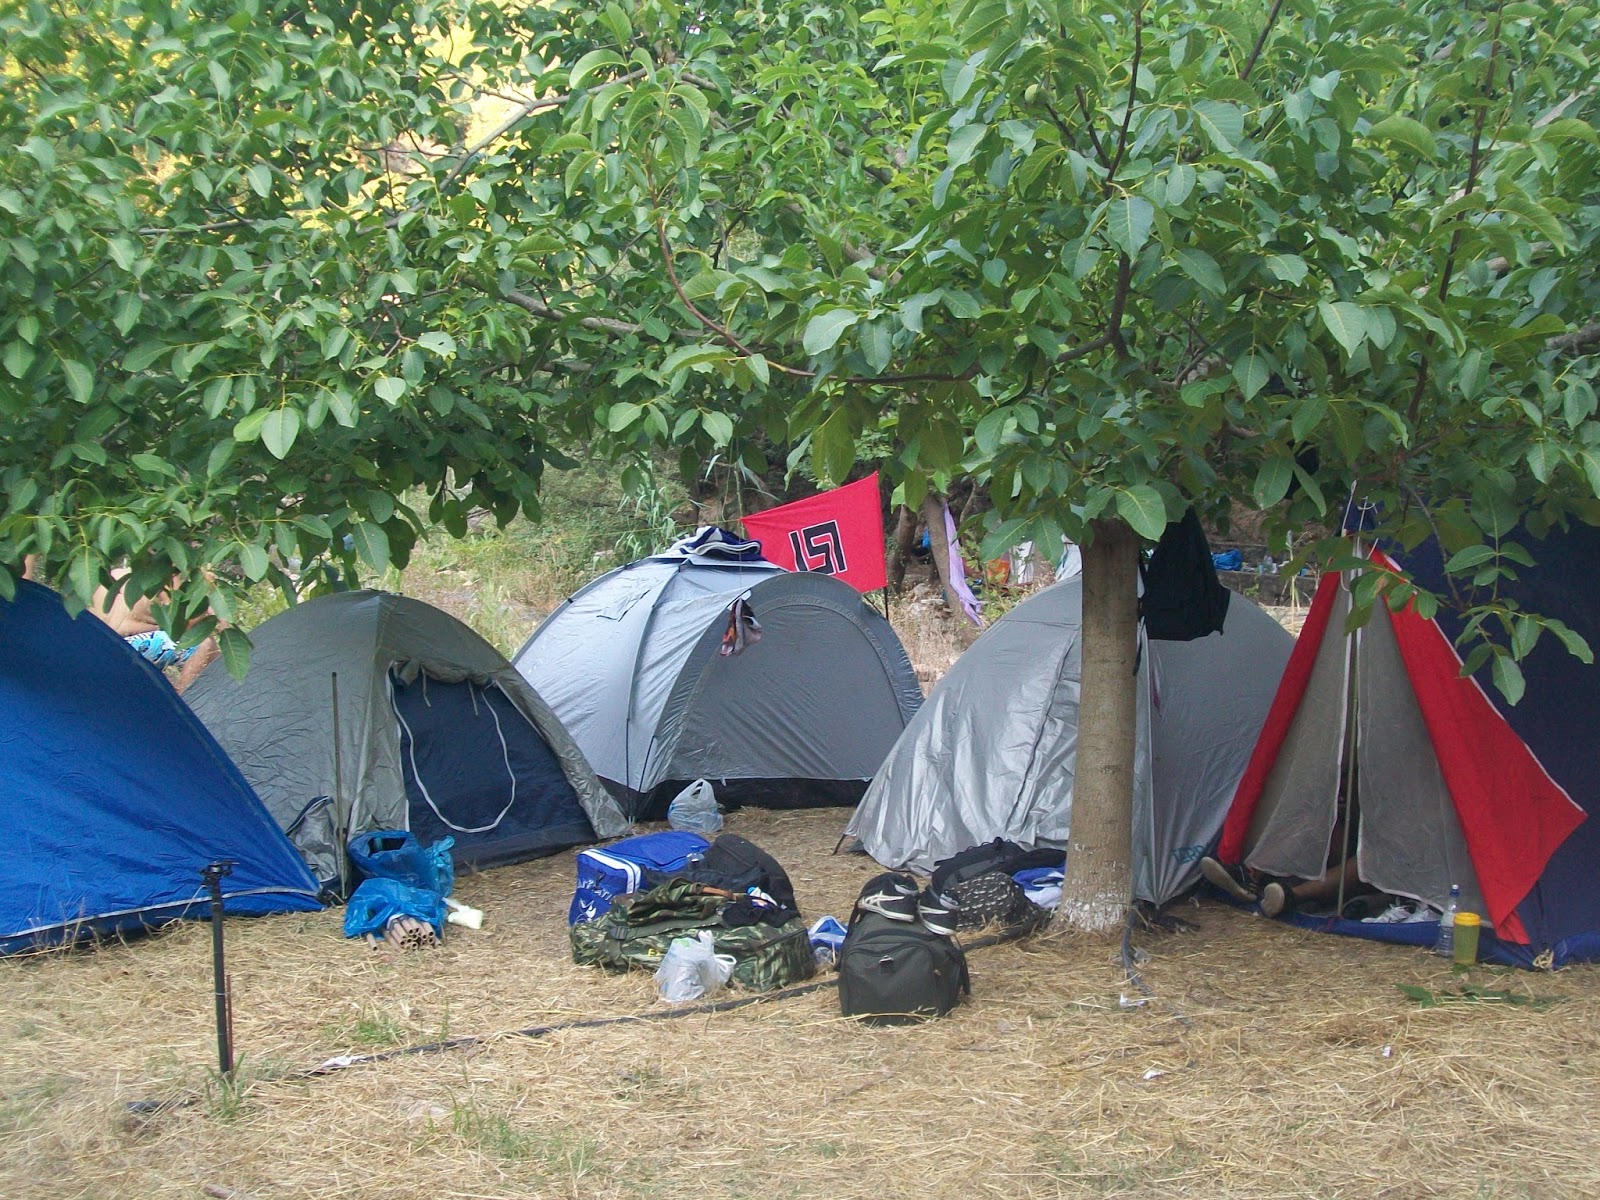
column 1183, row 598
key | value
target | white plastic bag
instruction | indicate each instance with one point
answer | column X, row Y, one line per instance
column 692, row 968
column 695, row 809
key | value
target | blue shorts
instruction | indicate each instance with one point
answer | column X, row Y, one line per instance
column 159, row 648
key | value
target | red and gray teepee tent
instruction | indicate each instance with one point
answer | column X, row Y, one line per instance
column 1452, row 783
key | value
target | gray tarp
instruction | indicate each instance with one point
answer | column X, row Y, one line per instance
column 278, row 724
column 630, row 665
column 991, row 753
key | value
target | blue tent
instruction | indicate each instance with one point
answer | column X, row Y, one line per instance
column 113, row 796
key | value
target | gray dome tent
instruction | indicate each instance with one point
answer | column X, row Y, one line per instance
column 991, row 754
column 433, row 731
column 803, row 716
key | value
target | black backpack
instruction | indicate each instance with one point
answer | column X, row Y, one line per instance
column 896, row 972
column 737, row 864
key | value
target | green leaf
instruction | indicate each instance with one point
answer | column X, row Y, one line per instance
column 439, row 342
column 372, row 544
column 1543, row 458
column 824, row 330
column 1128, row 221
column 80, row 380
column 234, row 649
column 1590, row 463
column 759, row 368
column 279, row 429
column 1202, row 268
column 719, row 426
column 253, row 560
column 1472, row 556
column 1252, row 373
column 591, row 62
column 1507, row 677
column 1290, row 268
column 621, row 416
column 1347, row 322
column 1143, row 509
column 389, row 388
column 833, row 449
column 1408, row 132
column 18, row 357
column 964, row 142
column 1272, row 479
column 260, row 176
column 1222, row 123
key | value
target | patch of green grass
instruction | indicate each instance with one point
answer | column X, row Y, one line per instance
column 371, row 1028
column 559, row 1151
column 20, row 1106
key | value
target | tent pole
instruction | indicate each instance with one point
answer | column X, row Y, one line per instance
column 1350, row 743
column 338, row 783
column 885, row 594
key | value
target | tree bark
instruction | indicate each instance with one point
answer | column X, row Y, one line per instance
column 939, row 545
column 905, row 534
column 1099, row 875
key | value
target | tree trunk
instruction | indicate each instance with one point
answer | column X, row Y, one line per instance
column 1099, row 883
column 939, row 545
column 905, row 534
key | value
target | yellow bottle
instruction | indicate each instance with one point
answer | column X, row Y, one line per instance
column 1465, row 950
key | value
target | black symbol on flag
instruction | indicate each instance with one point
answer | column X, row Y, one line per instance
column 819, row 548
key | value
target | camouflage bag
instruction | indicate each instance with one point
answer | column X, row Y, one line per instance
column 640, row 926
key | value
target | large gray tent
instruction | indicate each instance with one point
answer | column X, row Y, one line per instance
column 992, row 752
column 369, row 711
column 805, row 715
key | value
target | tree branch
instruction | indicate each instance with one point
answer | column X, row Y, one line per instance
column 1133, row 87
column 1261, row 42
column 1581, row 338
column 521, row 113
column 1088, row 123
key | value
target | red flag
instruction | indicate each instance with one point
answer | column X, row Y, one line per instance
column 837, row 533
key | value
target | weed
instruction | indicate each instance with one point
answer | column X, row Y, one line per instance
column 559, row 1152
column 1472, row 993
column 21, row 1105
column 369, row 1027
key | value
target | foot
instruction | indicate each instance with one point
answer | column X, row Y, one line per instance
column 1276, row 899
column 1231, row 879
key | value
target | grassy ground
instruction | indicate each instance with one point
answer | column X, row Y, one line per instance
column 1263, row 1062
column 1266, row 1062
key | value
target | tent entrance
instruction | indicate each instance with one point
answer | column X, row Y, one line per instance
column 477, row 770
column 1359, row 727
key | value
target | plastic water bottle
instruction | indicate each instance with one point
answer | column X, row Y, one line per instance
column 1446, row 945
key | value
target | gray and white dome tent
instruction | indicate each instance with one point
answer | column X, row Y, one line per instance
column 803, row 716
column 366, row 710
column 991, row 753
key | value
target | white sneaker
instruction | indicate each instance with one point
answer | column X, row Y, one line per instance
column 1398, row 913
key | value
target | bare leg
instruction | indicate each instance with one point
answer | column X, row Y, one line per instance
column 198, row 661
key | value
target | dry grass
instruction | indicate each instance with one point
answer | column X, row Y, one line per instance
column 1269, row 1063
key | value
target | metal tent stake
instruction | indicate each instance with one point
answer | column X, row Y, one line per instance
column 213, row 876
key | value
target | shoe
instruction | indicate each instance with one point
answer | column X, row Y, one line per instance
column 1396, row 914
column 1232, row 880
column 891, row 895
column 1276, row 899
column 937, row 916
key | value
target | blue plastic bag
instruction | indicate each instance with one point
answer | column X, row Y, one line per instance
column 376, row 902
column 396, row 854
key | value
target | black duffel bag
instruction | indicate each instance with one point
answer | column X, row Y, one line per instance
column 895, row 972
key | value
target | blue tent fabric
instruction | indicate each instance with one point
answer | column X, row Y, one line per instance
column 475, row 771
column 1554, row 718
column 113, row 796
